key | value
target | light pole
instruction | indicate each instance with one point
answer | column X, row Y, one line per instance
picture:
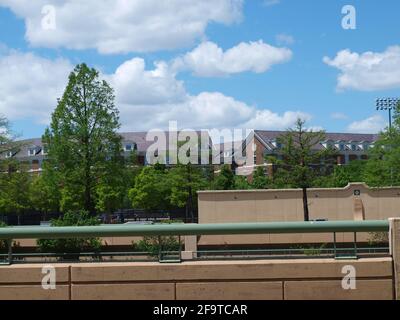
column 387, row 104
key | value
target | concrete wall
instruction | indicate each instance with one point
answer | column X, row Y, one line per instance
column 287, row 205
column 207, row 280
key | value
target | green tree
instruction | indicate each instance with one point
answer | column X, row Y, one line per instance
column 301, row 162
column 152, row 190
column 185, row 181
column 260, row 179
column 82, row 142
column 225, row 180
column 383, row 166
column 71, row 247
column 44, row 194
column 343, row 175
column 241, row 183
column 14, row 189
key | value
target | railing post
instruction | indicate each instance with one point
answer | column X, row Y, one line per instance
column 190, row 252
column 10, row 254
column 394, row 243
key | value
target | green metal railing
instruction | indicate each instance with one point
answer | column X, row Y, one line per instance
column 10, row 234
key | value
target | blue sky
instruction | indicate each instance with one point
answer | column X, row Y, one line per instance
column 336, row 94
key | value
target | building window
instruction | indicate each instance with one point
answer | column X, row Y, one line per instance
column 128, row 147
column 45, row 150
column 353, row 147
column 341, row 147
column 9, row 154
column 32, row 152
column 366, row 146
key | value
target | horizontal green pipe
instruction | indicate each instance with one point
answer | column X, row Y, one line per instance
column 192, row 229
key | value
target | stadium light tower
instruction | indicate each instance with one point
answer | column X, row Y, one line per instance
column 387, row 104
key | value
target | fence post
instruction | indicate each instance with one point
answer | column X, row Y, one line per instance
column 394, row 242
column 190, row 248
column 10, row 253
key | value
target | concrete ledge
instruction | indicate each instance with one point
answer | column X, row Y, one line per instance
column 229, row 291
column 229, row 270
column 153, row 291
column 33, row 292
column 332, row 290
column 31, row 273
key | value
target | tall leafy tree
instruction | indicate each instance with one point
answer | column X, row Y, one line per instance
column 225, row 180
column 260, row 179
column 383, row 167
column 82, row 141
column 14, row 189
column 301, row 162
column 152, row 189
column 185, row 181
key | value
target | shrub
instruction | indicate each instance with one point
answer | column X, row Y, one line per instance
column 72, row 247
column 376, row 238
column 153, row 245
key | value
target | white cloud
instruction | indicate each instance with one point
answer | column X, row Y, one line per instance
column 373, row 124
column 135, row 85
column 368, row 71
column 30, row 85
column 147, row 99
column 122, row 26
column 268, row 120
column 209, row 60
column 284, row 39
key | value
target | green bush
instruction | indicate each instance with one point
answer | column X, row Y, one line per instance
column 153, row 245
column 376, row 238
column 72, row 247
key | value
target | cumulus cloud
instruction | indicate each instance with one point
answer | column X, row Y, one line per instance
column 30, row 85
column 373, row 124
column 147, row 98
column 268, row 120
column 122, row 26
column 209, row 60
column 368, row 71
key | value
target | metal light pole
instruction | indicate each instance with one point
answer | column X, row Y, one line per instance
column 388, row 104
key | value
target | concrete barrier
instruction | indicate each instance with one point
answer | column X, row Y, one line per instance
column 226, row 280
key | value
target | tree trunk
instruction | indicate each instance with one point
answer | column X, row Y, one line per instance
column 305, row 205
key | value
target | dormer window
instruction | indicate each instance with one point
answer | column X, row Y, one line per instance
column 353, row 147
column 9, row 154
column 45, row 150
column 31, row 152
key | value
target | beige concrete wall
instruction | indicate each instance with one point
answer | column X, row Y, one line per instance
column 207, row 280
column 287, row 205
